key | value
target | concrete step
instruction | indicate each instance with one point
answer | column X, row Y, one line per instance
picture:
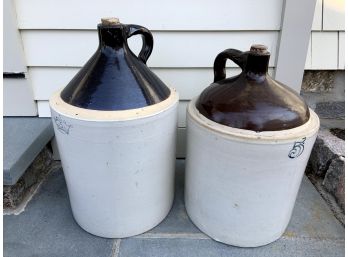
column 24, row 138
column 47, row 228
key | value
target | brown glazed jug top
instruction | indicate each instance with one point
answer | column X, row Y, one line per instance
column 115, row 78
column 251, row 100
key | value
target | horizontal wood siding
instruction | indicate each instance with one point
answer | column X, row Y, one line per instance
column 188, row 82
column 156, row 15
column 171, row 49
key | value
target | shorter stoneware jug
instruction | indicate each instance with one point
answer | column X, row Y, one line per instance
column 115, row 125
column 249, row 139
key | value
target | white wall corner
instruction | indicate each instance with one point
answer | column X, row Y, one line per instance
column 18, row 92
column 293, row 42
column 318, row 16
column 18, row 98
column 14, row 58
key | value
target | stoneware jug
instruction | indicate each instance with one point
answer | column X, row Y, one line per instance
column 249, row 140
column 115, row 125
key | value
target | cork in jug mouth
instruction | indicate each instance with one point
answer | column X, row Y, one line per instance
column 259, row 49
column 110, row 21
column 252, row 100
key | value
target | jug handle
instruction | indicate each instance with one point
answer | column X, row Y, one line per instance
column 146, row 35
column 234, row 55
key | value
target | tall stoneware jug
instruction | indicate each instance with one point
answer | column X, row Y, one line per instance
column 249, row 140
column 115, row 125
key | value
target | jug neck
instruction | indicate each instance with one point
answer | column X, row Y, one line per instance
column 257, row 64
column 111, row 36
column 257, row 61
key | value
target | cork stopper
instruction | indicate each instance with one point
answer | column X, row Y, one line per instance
column 259, row 49
column 110, row 21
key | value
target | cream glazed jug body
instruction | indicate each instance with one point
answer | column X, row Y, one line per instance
column 249, row 139
column 115, row 125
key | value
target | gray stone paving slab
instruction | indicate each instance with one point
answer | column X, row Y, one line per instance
column 24, row 138
column 333, row 110
column 312, row 217
column 47, row 228
column 177, row 220
column 140, row 247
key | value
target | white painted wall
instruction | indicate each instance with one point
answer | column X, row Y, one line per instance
column 157, row 15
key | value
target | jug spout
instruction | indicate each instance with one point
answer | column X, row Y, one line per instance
column 257, row 61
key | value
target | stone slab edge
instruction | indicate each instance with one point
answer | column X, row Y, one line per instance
column 12, row 175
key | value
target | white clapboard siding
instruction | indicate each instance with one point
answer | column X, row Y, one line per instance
column 188, row 82
column 154, row 14
column 18, row 98
column 333, row 15
column 341, row 50
column 171, row 49
column 318, row 15
column 324, row 50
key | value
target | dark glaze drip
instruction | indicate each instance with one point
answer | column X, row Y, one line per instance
column 252, row 100
column 114, row 78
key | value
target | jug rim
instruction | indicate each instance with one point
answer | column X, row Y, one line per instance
column 60, row 106
column 308, row 129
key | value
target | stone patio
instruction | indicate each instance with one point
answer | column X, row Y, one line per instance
column 46, row 228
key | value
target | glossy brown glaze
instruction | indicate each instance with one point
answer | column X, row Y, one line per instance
column 114, row 78
column 251, row 100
